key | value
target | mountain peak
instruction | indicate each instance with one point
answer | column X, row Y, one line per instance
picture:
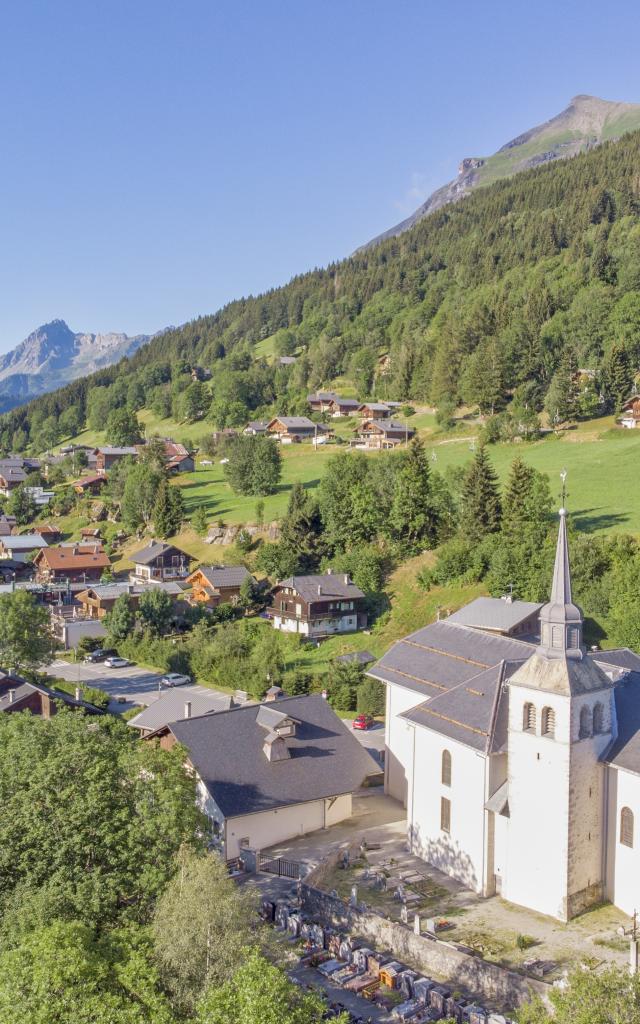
column 586, row 122
column 53, row 355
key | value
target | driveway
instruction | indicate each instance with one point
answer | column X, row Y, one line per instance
column 136, row 685
column 372, row 739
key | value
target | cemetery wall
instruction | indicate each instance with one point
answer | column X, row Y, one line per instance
column 436, row 958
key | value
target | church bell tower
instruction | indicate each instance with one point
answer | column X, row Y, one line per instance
column 561, row 718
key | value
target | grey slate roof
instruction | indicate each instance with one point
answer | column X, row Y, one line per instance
column 227, row 752
column 295, row 422
column 625, row 751
column 170, row 707
column 332, row 584
column 356, row 657
column 350, row 403
column 224, row 575
column 375, row 406
column 467, row 713
column 494, row 613
column 24, row 542
column 109, row 590
column 442, row 655
column 154, row 550
column 107, row 450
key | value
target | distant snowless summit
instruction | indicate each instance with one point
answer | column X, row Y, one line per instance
column 53, row 355
column 586, row 122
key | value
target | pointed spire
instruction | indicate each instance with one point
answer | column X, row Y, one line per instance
column 560, row 618
column 561, row 587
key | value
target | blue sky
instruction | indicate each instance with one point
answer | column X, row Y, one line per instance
column 161, row 158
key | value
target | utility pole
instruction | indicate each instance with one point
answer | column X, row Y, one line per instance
column 633, row 945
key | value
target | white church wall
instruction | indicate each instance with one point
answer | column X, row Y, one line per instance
column 398, row 741
column 538, row 829
column 460, row 851
column 623, row 862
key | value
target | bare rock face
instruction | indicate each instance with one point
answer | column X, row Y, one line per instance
column 586, row 122
column 53, row 355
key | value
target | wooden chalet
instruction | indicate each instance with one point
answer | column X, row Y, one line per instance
column 292, row 429
column 108, row 456
column 217, row 584
column 21, row 547
column 96, row 601
column 344, row 406
column 630, row 415
column 318, row 605
column 75, row 562
column 7, row 524
column 50, row 533
column 384, row 433
column 16, row 694
column 12, row 474
column 158, row 562
column 90, row 484
column 321, row 401
column 374, row 411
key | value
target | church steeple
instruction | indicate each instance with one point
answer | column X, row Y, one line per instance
column 560, row 618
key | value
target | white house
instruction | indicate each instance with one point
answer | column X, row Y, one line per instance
column 266, row 773
column 519, row 759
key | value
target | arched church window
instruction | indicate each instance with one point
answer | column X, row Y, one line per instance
column 548, row 722
column 626, row 826
column 446, row 768
column 598, row 719
column 586, row 722
column 529, row 718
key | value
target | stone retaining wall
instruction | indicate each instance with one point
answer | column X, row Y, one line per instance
column 433, row 956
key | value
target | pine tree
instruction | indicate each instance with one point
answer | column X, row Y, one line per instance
column 480, row 513
column 168, row 511
column 526, row 505
column 618, row 377
column 413, row 519
column 301, row 530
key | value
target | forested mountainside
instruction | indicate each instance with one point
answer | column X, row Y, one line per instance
column 494, row 294
column 586, row 122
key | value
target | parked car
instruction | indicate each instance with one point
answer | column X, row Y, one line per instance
column 363, row 722
column 115, row 662
column 175, row 679
column 99, row 654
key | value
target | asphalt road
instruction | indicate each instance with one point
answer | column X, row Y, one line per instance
column 133, row 686
column 127, row 686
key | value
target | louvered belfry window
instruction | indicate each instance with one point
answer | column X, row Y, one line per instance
column 626, row 826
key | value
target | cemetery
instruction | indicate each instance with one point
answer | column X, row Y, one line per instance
column 387, row 987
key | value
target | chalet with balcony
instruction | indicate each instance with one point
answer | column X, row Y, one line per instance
column 95, row 602
column 383, row 433
column 12, row 474
column 291, row 429
column 217, row 584
column 344, row 406
column 318, row 605
column 77, row 563
column 158, row 562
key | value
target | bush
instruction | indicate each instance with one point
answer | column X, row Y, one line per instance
column 371, row 697
column 88, row 693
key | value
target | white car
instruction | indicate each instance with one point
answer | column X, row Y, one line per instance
column 175, row 679
column 116, row 663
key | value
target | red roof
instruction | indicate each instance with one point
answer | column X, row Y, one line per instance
column 80, row 556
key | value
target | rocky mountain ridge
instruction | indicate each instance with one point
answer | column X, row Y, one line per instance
column 53, row 355
column 586, row 122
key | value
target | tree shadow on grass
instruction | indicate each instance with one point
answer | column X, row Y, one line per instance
column 588, row 520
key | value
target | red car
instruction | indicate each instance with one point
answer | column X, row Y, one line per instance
column 363, row 722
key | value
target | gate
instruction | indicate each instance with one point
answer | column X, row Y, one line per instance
column 279, row 866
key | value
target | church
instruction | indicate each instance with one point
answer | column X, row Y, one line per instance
column 517, row 752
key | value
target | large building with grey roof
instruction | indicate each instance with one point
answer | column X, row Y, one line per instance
column 268, row 772
column 517, row 752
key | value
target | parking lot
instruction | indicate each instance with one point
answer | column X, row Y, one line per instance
column 127, row 686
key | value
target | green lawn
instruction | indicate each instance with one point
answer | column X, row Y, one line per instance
column 603, row 467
